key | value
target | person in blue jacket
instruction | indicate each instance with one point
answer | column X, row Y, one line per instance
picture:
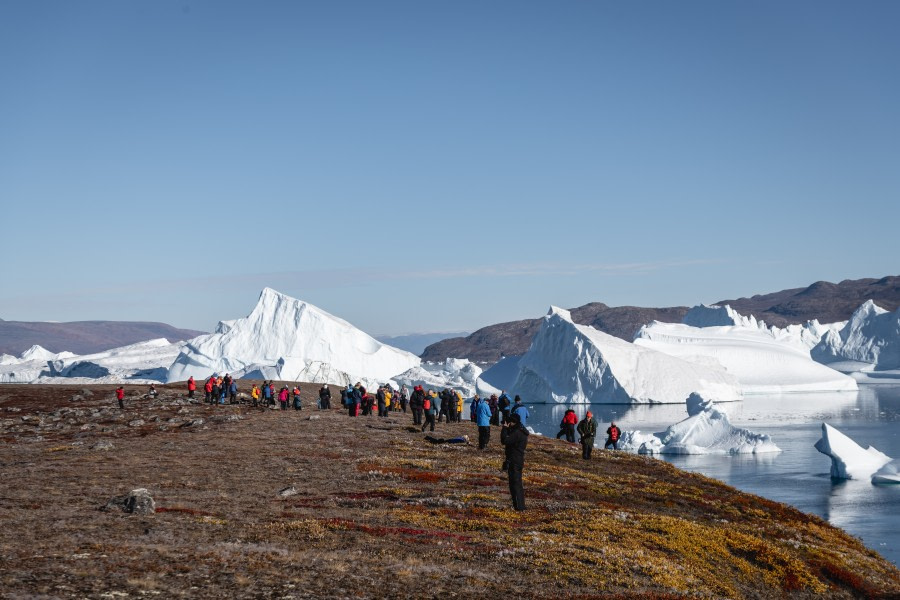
column 521, row 410
column 483, row 420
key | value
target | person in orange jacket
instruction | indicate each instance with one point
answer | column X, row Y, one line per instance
column 192, row 386
column 120, row 396
column 208, row 389
column 567, row 426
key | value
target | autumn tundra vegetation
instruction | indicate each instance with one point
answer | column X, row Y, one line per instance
column 173, row 497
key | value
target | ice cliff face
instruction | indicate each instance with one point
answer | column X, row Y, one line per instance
column 849, row 460
column 281, row 328
column 872, row 335
column 575, row 363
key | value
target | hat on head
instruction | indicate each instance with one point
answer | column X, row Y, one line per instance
column 516, row 418
column 589, row 415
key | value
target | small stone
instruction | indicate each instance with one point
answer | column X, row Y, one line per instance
column 103, row 445
column 288, row 491
column 136, row 423
column 138, row 501
column 312, row 418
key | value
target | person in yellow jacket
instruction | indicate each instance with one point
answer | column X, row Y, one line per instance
column 254, row 393
column 459, row 406
column 387, row 398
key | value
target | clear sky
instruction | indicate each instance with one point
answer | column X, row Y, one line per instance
column 440, row 166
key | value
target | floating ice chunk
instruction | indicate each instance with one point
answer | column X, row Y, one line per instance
column 849, row 460
column 889, row 473
column 706, row 431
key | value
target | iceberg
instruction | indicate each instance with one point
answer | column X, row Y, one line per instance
column 297, row 339
column 870, row 341
column 764, row 360
column 889, row 473
column 707, row 430
column 849, row 460
column 579, row 364
column 453, row 373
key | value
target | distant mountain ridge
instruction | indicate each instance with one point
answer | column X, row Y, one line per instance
column 825, row 301
column 84, row 337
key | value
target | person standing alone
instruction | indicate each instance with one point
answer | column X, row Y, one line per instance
column 483, row 420
column 514, row 438
column 587, row 429
column 613, row 433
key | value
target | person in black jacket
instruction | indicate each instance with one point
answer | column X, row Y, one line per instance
column 325, row 397
column 514, row 438
column 416, row 403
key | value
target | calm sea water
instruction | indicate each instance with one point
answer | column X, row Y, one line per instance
column 799, row 475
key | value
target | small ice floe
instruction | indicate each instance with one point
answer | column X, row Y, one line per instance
column 849, row 460
column 707, row 430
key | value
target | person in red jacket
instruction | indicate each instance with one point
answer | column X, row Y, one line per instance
column 567, row 426
column 613, row 434
column 120, row 396
column 192, row 386
column 208, row 388
column 283, row 397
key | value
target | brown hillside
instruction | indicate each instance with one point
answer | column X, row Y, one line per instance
column 259, row 503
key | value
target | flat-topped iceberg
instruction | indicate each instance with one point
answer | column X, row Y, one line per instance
column 707, row 430
column 577, row 363
column 849, row 460
column 764, row 360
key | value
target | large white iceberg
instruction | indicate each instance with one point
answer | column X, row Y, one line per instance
column 577, row 363
column 849, row 460
column 707, row 430
column 294, row 337
column 871, row 339
column 764, row 360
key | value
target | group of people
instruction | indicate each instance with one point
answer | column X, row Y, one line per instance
column 587, row 429
column 427, row 407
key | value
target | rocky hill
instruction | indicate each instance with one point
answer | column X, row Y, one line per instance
column 84, row 337
column 827, row 302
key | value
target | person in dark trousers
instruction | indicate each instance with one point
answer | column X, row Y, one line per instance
column 354, row 399
column 298, row 403
column 207, row 389
column 404, row 397
column 444, row 411
column 613, row 433
column 495, row 410
column 192, row 387
column 416, row 404
column 429, row 407
column 232, row 391
column 483, row 420
column 120, row 396
column 514, row 438
column 380, row 399
column 325, row 397
column 567, row 426
column 587, row 429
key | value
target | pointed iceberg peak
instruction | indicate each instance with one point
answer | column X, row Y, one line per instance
column 560, row 312
column 865, row 310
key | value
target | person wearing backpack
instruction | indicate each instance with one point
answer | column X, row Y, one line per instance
column 298, row 404
column 429, row 406
column 587, row 429
column 613, row 433
column 417, row 404
column 504, row 405
column 324, row 397
column 567, row 426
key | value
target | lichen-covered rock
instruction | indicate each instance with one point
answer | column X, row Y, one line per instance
column 137, row 501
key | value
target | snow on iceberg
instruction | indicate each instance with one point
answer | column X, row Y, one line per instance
column 30, row 365
column 281, row 328
column 577, row 363
column 453, row 373
column 707, row 430
column 764, row 361
column 849, row 460
column 871, row 338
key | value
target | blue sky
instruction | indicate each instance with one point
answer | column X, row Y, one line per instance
column 440, row 166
